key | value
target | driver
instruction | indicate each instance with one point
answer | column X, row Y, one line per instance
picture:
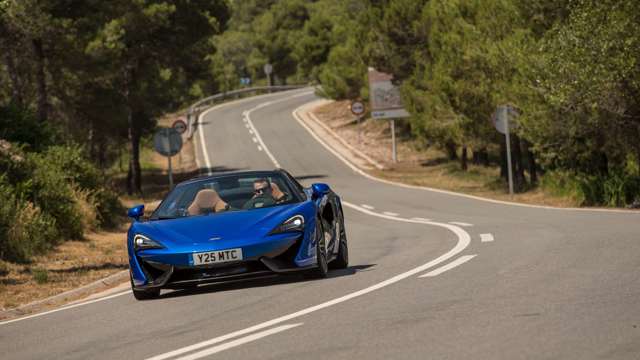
column 263, row 195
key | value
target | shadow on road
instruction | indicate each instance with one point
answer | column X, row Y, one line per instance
column 269, row 280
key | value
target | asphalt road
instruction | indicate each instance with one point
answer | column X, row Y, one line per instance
column 502, row 281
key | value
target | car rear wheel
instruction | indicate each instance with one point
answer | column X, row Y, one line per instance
column 146, row 294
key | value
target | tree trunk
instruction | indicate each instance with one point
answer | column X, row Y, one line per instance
column 43, row 107
column 16, row 85
column 450, row 147
column 503, row 159
column 463, row 158
column 134, row 182
column 533, row 172
column 518, row 167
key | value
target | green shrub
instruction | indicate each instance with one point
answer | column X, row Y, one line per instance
column 74, row 165
column 24, row 229
column 21, row 126
column 54, row 194
column 41, row 276
column 110, row 210
column 563, row 184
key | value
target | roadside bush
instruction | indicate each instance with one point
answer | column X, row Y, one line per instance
column 24, row 229
column 617, row 189
column 50, row 189
column 19, row 125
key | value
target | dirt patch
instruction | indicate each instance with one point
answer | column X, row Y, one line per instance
column 419, row 166
column 68, row 266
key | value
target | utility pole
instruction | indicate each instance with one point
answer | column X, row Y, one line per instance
column 394, row 152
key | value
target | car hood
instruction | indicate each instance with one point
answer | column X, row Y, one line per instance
column 227, row 226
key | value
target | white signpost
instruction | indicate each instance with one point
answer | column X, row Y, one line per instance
column 268, row 69
column 501, row 121
column 386, row 103
column 358, row 109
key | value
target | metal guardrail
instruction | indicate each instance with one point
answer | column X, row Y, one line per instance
column 198, row 107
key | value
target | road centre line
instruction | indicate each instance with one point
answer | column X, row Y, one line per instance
column 390, row 213
column 459, row 223
column 459, row 261
column 235, row 102
column 368, row 207
column 464, row 239
column 420, row 219
column 486, row 237
column 238, row 342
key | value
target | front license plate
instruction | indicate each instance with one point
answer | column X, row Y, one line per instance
column 217, row 257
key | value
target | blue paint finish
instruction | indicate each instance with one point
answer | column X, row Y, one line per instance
column 247, row 229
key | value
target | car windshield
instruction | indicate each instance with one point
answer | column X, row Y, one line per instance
column 242, row 192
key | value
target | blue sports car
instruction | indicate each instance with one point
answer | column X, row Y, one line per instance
column 233, row 226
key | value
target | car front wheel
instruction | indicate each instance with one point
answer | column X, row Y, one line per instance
column 146, row 294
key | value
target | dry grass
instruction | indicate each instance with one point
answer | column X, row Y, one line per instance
column 423, row 167
column 72, row 264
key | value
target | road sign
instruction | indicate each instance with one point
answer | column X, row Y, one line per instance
column 180, row 126
column 268, row 69
column 167, row 141
column 500, row 122
column 357, row 108
column 386, row 102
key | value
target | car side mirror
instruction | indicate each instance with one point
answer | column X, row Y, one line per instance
column 136, row 212
column 319, row 190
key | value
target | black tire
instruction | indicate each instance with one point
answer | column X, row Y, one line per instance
column 342, row 259
column 146, row 294
column 321, row 251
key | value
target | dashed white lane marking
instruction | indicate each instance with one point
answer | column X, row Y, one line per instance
column 259, row 148
column 420, row 219
column 368, row 207
column 390, row 213
column 238, row 342
column 67, row 307
column 459, row 261
column 247, row 126
column 486, row 237
column 460, row 223
column 250, row 131
column 254, row 139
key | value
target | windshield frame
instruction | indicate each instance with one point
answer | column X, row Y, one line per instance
column 297, row 197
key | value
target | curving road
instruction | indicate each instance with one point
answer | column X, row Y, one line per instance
column 432, row 275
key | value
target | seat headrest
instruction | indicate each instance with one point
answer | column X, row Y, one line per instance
column 206, row 199
column 276, row 192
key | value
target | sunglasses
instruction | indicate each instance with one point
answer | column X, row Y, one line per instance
column 261, row 190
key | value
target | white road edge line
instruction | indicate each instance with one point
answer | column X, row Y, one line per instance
column 464, row 239
column 459, row 223
column 390, row 213
column 486, row 237
column 420, row 219
column 66, row 307
column 459, row 261
column 368, row 207
column 238, row 342
column 424, row 188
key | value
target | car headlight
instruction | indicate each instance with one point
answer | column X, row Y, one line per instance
column 141, row 242
column 294, row 223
